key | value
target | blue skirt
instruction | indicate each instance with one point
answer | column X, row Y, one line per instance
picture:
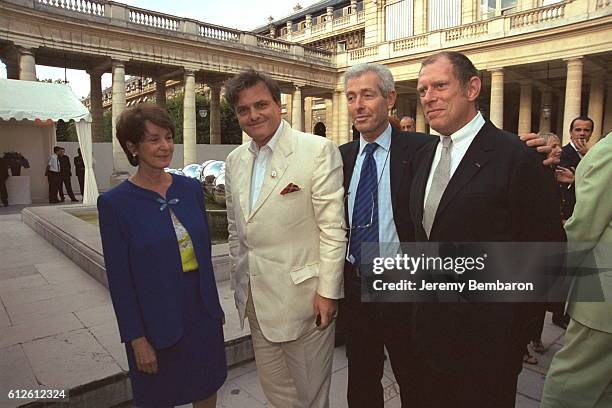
column 191, row 370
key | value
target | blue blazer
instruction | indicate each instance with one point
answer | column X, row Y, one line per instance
column 143, row 262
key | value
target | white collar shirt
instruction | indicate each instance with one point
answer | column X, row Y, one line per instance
column 387, row 232
column 54, row 165
column 261, row 163
column 462, row 139
column 574, row 146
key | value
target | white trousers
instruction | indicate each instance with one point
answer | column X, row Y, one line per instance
column 294, row 374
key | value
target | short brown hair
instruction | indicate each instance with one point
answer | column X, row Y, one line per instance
column 131, row 125
column 463, row 68
column 248, row 79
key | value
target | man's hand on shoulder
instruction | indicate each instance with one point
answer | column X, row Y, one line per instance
column 326, row 309
column 534, row 140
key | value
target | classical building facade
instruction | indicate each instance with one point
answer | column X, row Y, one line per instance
column 542, row 62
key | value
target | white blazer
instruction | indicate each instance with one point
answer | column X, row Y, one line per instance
column 288, row 246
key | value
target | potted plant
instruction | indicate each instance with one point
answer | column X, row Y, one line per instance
column 15, row 162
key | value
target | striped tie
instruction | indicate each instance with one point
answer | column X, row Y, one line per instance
column 365, row 210
column 440, row 180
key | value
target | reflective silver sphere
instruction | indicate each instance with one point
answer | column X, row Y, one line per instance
column 219, row 191
column 193, row 171
column 210, row 174
column 174, row 171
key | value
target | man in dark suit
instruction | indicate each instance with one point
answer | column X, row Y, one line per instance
column 478, row 184
column 375, row 213
column 65, row 175
column 3, row 176
column 581, row 129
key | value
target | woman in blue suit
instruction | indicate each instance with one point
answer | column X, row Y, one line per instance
column 158, row 262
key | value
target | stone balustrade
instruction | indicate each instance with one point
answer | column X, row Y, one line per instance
column 467, row 31
column 153, row 19
column 363, row 52
column 537, row 16
column 603, row 3
column 218, row 32
column 91, row 7
column 273, row 44
column 133, row 17
column 410, row 43
column 339, row 22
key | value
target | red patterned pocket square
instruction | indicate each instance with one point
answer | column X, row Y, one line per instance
column 290, row 189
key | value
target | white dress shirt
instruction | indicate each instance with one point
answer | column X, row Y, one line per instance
column 462, row 139
column 261, row 163
column 387, row 232
column 54, row 163
column 575, row 148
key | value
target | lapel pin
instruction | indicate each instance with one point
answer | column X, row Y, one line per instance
column 478, row 165
column 273, row 174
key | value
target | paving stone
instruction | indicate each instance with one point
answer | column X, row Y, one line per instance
column 97, row 315
column 231, row 395
column 44, row 309
column 69, row 359
column 15, row 373
column 25, row 332
column 339, row 384
column 250, row 383
column 530, row 384
column 62, row 271
column 107, row 334
column 11, row 285
column 524, row 402
column 16, row 298
column 4, row 318
column 242, row 369
column 27, row 270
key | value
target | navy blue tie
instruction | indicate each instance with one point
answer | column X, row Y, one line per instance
column 365, row 211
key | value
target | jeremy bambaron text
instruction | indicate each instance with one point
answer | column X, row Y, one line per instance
column 458, row 265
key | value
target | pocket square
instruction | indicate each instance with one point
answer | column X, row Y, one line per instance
column 290, row 189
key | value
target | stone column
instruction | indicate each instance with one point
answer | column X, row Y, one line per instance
column 297, row 111
column 308, row 114
column 335, row 119
column 95, row 105
column 497, row 97
column 545, row 111
column 121, row 166
column 289, row 108
column 596, row 104
column 573, row 94
column 607, row 124
column 524, row 122
column 329, row 114
column 345, row 133
column 160, row 92
column 189, row 120
column 421, row 126
column 27, row 65
column 215, row 113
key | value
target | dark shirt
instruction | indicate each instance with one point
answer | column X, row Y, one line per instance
column 65, row 168
column 79, row 165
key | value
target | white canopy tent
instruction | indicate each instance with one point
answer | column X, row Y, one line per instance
column 29, row 108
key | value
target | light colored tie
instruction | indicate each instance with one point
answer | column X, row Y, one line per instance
column 440, row 180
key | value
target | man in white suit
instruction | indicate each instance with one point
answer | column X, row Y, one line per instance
column 284, row 207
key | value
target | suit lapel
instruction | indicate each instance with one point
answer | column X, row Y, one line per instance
column 475, row 159
column 397, row 166
column 244, row 174
column 278, row 165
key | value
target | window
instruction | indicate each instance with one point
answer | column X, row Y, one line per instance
column 443, row 14
column 399, row 20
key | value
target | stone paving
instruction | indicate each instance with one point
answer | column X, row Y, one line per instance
column 57, row 330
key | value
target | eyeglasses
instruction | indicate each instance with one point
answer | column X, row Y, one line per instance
column 356, row 227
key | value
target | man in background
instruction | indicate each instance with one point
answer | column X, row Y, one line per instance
column 53, row 175
column 65, row 176
column 3, row 177
column 407, row 124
